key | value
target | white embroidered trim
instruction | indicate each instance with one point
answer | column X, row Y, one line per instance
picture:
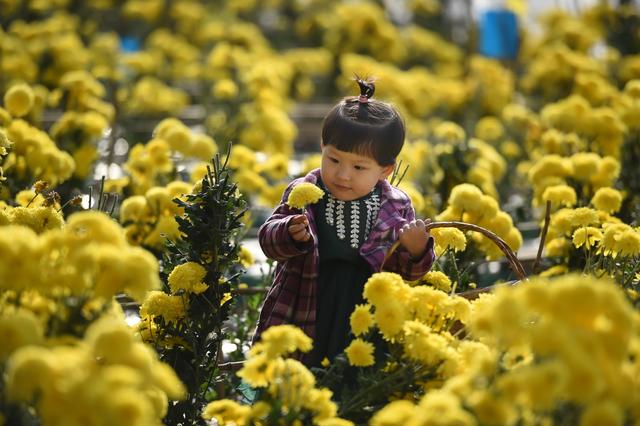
column 331, row 202
column 355, row 224
column 373, row 207
column 340, row 226
column 334, row 215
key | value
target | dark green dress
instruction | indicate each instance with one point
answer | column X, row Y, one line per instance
column 343, row 226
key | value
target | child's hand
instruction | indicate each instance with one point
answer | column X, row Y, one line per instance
column 414, row 237
column 298, row 228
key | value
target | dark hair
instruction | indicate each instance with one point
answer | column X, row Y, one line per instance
column 365, row 126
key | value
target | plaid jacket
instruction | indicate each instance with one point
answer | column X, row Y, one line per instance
column 292, row 297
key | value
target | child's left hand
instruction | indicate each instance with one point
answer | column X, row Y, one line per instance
column 414, row 237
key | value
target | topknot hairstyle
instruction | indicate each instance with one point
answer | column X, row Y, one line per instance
column 365, row 126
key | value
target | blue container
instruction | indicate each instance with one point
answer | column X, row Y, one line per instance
column 129, row 44
column 499, row 37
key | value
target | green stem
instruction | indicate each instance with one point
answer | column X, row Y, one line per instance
column 587, row 265
column 31, row 200
column 632, row 273
column 455, row 268
column 623, row 267
column 368, row 393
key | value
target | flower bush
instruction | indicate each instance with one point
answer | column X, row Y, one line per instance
column 184, row 322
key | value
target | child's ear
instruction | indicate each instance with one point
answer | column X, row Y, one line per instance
column 386, row 171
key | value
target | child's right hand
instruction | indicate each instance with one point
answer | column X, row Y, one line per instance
column 298, row 228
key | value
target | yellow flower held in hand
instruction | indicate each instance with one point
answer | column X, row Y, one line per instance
column 304, row 193
column 360, row 353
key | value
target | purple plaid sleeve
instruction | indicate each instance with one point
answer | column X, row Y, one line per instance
column 401, row 261
column 274, row 237
column 411, row 269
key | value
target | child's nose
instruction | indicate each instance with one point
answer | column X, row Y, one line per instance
column 343, row 173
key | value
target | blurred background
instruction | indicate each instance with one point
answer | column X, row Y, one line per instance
column 180, row 122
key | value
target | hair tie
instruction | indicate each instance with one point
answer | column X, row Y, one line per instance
column 363, row 99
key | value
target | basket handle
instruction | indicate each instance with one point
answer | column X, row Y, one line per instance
column 514, row 263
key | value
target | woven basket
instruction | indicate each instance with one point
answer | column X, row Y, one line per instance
column 514, row 263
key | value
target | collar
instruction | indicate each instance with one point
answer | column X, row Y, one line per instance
column 388, row 192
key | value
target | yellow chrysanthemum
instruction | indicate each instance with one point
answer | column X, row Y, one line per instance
column 19, row 100
column 549, row 166
column 380, row 287
column 361, row 319
column 303, row 194
column 417, row 200
column 584, row 216
column 554, row 271
column 605, row 412
column 489, row 129
column 224, row 89
column 561, row 222
column 488, row 205
column 158, row 303
column 17, row 329
column 4, row 141
column 585, row 165
column 422, row 345
column 188, row 276
column 255, row 370
column 587, row 236
column 628, row 243
column 439, row 280
column 611, row 235
column 313, row 161
column 557, row 247
column 449, row 132
column 225, row 411
column 560, row 195
column 400, row 412
column 250, row 182
column 465, row 197
column 607, row 199
column 444, row 407
column 360, row 353
column 30, row 370
column 242, row 157
column 390, row 317
column 245, row 256
column 608, row 172
column 276, row 167
column 284, row 339
column 449, row 238
column 203, row 147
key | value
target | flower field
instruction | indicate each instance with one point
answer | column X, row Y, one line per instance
column 142, row 143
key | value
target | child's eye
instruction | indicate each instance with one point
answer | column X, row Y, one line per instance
column 360, row 168
column 333, row 160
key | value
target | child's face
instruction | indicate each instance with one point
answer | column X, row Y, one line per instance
column 348, row 175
